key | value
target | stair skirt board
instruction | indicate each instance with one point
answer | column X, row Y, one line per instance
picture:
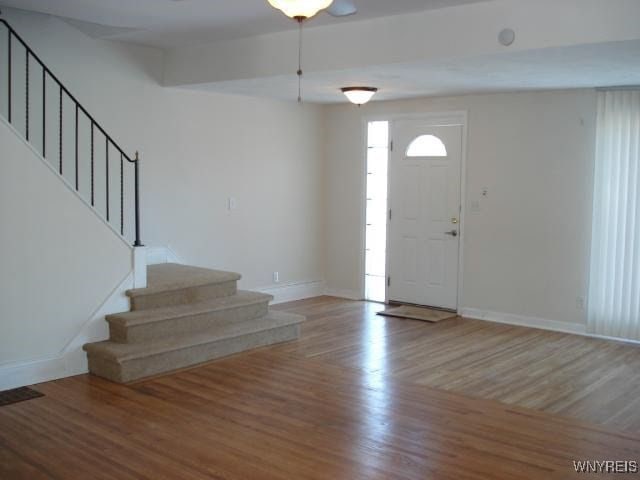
column 166, row 362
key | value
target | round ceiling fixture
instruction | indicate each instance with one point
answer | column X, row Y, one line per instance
column 300, row 9
column 359, row 95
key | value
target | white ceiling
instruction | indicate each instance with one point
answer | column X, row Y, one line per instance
column 175, row 23
column 586, row 66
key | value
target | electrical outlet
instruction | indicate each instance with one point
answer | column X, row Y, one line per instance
column 580, row 303
column 276, row 277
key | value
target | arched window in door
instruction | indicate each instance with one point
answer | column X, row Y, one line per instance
column 426, row 146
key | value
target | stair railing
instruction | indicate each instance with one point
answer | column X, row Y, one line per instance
column 77, row 109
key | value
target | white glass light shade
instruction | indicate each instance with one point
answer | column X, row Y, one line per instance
column 300, row 8
column 359, row 95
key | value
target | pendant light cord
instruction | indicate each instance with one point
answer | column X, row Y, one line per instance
column 300, row 21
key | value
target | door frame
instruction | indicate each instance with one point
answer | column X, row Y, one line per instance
column 439, row 118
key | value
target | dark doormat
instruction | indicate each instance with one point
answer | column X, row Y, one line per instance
column 418, row 313
column 16, row 395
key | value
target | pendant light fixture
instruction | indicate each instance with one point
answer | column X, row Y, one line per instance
column 359, row 95
column 300, row 10
column 303, row 9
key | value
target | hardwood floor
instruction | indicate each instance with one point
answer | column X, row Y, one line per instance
column 590, row 379
column 345, row 402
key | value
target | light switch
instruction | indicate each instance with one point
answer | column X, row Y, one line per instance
column 232, row 203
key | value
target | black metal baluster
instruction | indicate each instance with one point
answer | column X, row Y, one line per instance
column 138, row 242
column 60, row 119
column 121, row 195
column 26, row 92
column 10, row 62
column 106, row 161
column 77, row 163
column 44, row 113
column 92, row 168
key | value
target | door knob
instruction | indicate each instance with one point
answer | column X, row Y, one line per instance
column 453, row 233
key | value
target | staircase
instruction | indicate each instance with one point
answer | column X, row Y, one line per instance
column 186, row 316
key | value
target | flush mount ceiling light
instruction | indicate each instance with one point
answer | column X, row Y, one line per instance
column 359, row 95
column 300, row 9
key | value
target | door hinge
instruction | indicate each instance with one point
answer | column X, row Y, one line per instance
column 390, row 214
column 389, row 281
column 391, row 145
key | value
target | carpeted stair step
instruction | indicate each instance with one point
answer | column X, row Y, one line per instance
column 148, row 325
column 172, row 284
column 127, row 362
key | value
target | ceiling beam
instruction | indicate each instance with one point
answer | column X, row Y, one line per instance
column 455, row 33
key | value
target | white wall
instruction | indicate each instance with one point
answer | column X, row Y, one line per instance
column 59, row 261
column 297, row 173
column 526, row 253
column 198, row 149
column 265, row 154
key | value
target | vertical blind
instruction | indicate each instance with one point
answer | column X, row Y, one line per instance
column 614, row 297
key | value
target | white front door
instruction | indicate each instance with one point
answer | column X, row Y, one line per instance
column 424, row 202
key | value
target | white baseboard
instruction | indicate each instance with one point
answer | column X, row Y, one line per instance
column 615, row 339
column 348, row 294
column 32, row 372
column 72, row 360
column 534, row 322
column 290, row 292
column 523, row 321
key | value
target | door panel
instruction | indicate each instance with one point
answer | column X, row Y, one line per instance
column 410, row 260
column 424, row 196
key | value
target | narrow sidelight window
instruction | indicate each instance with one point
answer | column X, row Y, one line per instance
column 376, row 215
